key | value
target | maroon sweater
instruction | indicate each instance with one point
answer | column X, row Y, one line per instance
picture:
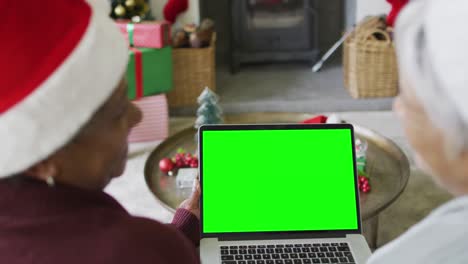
column 62, row 224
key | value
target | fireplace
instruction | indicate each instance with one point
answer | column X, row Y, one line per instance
column 273, row 30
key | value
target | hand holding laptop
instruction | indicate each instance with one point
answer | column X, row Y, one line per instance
column 192, row 204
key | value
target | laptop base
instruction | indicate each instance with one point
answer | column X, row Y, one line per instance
column 211, row 253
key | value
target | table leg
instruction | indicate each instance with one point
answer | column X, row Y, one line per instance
column 370, row 228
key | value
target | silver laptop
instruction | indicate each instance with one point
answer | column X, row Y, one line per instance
column 279, row 194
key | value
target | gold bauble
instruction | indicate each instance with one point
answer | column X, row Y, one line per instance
column 119, row 11
column 130, row 3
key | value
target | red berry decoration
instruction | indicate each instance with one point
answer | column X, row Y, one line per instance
column 180, row 160
column 166, row 165
column 363, row 184
column 179, row 164
column 194, row 163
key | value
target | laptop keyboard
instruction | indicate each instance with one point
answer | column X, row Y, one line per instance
column 287, row 254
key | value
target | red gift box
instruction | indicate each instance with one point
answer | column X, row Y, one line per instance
column 153, row 34
column 155, row 123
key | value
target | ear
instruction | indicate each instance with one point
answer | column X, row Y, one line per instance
column 42, row 170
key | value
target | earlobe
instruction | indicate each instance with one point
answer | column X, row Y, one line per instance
column 44, row 171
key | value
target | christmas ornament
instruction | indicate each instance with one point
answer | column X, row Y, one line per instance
column 166, row 165
column 119, row 11
column 182, row 159
column 363, row 184
column 134, row 10
column 130, row 3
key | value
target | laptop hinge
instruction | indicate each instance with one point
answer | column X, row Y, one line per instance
column 237, row 237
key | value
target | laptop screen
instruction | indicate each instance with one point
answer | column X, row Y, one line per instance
column 272, row 179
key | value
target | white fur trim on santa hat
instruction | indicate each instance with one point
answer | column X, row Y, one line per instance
column 52, row 115
column 431, row 43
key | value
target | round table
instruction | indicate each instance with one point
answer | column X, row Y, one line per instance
column 387, row 166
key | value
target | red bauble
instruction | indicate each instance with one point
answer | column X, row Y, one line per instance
column 187, row 158
column 166, row 165
column 363, row 184
column 179, row 156
column 194, row 163
column 179, row 164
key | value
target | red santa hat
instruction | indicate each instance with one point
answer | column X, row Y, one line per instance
column 60, row 61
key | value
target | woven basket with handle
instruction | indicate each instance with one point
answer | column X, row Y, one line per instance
column 369, row 61
column 194, row 69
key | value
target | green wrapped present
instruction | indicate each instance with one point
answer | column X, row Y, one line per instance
column 149, row 72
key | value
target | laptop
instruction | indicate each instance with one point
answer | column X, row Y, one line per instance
column 279, row 194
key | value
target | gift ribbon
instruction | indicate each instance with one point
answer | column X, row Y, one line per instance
column 138, row 72
column 130, row 31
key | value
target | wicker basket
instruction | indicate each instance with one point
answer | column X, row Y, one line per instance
column 194, row 69
column 369, row 61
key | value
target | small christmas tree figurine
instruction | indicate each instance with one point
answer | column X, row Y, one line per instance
column 209, row 111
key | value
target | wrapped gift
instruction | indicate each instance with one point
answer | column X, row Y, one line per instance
column 149, row 72
column 153, row 34
column 155, row 123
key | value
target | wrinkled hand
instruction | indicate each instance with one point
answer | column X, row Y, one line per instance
column 192, row 204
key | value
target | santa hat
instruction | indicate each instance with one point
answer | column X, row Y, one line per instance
column 431, row 40
column 60, row 61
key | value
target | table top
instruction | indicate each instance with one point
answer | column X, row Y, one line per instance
column 387, row 165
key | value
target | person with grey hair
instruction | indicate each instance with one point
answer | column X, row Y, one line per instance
column 431, row 42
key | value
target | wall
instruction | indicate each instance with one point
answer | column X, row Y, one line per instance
column 371, row 7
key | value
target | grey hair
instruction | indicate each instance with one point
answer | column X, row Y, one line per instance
column 417, row 61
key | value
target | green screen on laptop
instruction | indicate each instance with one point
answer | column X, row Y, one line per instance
column 278, row 180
